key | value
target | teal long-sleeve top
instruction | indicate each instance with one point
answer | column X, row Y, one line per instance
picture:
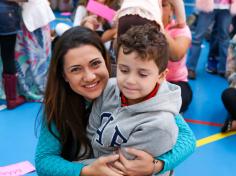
column 48, row 160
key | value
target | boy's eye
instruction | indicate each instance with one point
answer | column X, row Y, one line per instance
column 143, row 74
column 124, row 70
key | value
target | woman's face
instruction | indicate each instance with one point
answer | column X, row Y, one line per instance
column 167, row 12
column 85, row 71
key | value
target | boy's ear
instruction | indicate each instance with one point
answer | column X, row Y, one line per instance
column 162, row 76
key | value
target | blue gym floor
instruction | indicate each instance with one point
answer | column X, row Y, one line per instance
column 215, row 154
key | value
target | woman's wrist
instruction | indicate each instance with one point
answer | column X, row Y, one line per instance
column 157, row 166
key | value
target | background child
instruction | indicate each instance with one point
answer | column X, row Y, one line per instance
column 134, row 12
column 9, row 26
column 138, row 109
column 33, row 48
column 229, row 94
column 179, row 40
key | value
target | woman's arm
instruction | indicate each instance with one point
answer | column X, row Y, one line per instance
column 184, row 147
column 48, row 160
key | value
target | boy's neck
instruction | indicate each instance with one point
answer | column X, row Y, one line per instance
column 128, row 102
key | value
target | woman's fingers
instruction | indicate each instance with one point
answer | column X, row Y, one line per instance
column 109, row 158
column 118, row 165
column 134, row 152
column 122, row 158
column 109, row 169
column 141, row 165
column 111, row 166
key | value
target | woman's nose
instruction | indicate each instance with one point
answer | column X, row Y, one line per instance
column 89, row 76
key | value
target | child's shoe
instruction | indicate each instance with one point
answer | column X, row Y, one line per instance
column 211, row 66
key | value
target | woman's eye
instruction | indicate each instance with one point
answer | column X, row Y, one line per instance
column 73, row 70
column 96, row 63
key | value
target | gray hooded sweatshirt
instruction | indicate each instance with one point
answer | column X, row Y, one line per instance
column 149, row 126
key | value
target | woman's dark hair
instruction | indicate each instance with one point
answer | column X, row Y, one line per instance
column 62, row 105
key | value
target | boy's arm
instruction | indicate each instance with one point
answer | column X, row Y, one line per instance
column 184, row 147
column 48, row 160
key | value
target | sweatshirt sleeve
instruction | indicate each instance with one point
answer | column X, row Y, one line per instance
column 184, row 147
column 48, row 160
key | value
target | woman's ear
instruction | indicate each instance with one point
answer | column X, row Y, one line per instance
column 162, row 76
column 64, row 76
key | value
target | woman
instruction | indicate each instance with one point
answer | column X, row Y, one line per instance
column 77, row 76
column 179, row 41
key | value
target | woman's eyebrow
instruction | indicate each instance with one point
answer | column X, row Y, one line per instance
column 97, row 58
column 73, row 66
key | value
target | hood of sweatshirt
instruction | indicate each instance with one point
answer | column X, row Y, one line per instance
column 168, row 98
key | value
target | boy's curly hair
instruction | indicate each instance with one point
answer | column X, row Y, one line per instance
column 148, row 42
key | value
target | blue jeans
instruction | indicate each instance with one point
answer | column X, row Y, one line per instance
column 222, row 20
column 10, row 18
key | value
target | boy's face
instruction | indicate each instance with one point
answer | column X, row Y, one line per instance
column 136, row 77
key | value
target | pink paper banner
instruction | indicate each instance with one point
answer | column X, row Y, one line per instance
column 17, row 169
column 101, row 10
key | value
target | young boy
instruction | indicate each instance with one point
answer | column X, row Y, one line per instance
column 137, row 109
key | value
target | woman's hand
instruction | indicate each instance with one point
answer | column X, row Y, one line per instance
column 141, row 165
column 101, row 167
